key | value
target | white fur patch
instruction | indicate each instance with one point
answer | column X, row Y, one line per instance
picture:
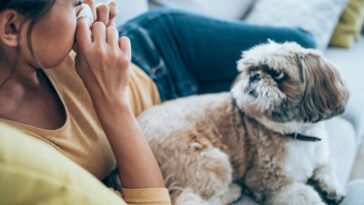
column 303, row 157
column 187, row 197
column 329, row 183
column 297, row 194
column 286, row 127
column 272, row 54
column 231, row 195
column 268, row 96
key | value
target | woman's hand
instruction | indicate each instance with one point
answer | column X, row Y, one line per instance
column 103, row 63
column 104, row 12
column 103, row 60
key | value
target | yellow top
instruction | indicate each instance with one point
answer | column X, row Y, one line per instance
column 82, row 138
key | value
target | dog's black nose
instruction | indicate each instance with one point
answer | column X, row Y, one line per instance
column 255, row 76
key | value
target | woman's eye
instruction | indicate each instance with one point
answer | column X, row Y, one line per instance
column 277, row 74
column 79, row 3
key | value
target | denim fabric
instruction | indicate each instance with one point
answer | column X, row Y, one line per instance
column 188, row 54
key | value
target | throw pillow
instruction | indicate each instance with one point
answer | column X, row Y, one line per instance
column 316, row 16
column 33, row 172
column 350, row 24
column 128, row 9
column 224, row 9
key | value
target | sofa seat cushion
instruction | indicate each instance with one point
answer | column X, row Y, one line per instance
column 343, row 147
column 350, row 63
column 355, row 196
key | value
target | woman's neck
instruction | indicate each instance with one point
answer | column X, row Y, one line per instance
column 16, row 72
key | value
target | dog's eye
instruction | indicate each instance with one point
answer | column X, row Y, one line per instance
column 277, row 74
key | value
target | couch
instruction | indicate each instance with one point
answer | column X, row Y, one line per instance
column 346, row 131
column 64, row 182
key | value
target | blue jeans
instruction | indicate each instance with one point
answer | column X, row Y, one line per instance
column 188, row 54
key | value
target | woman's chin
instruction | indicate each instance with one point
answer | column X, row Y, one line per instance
column 51, row 64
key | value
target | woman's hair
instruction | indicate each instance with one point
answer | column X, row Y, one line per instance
column 33, row 10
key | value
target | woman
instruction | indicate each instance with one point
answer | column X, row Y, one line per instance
column 91, row 100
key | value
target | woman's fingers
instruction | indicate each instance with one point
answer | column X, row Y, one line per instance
column 113, row 12
column 112, row 37
column 106, row 13
column 83, row 34
column 103, row 31
column 125, row 46
column 99, row 32
column 103, row 13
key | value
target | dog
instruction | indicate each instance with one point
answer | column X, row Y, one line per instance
column 265, row 137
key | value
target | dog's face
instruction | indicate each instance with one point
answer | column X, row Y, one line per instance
column 285, row 83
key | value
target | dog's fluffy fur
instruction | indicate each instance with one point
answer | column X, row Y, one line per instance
column 208, row 144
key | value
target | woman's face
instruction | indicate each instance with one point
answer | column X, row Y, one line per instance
column 53, row 35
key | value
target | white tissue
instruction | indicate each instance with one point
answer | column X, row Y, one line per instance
column 87, row 14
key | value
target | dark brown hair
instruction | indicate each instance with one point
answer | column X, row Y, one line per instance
column 32, row 10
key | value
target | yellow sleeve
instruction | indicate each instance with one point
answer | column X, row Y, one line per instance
column 148, row 196
column 142, row 91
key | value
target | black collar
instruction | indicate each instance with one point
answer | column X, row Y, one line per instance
column 294, row 135
column 298, row 136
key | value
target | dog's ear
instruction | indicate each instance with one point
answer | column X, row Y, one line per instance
column 325, row 94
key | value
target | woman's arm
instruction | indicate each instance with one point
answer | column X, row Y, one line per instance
column 137, row 165
column 103, row 63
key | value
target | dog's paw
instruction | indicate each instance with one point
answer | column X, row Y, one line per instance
column 297, row 194
column 233, row 193
column 333, row 192
column 333, row 198
column 328, row 185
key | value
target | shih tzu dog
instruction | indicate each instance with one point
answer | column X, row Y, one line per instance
column 265, row 137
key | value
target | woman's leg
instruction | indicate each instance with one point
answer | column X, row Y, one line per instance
column 187, row 53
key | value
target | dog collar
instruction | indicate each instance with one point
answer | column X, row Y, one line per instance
column 294, row 135
column 298, row 136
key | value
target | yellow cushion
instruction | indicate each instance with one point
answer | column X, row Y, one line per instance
column 349, row 26
column 33, row 172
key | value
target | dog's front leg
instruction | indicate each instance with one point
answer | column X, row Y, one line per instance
column 280, row 189
column 296, row 193
column 328, row 184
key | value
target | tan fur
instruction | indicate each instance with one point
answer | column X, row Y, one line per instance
column 324, row 96
column 205, row 143
column 223, row 127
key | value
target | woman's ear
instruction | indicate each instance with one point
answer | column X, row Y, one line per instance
column 10, row 25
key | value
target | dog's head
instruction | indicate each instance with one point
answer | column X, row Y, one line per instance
column 285, row 83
